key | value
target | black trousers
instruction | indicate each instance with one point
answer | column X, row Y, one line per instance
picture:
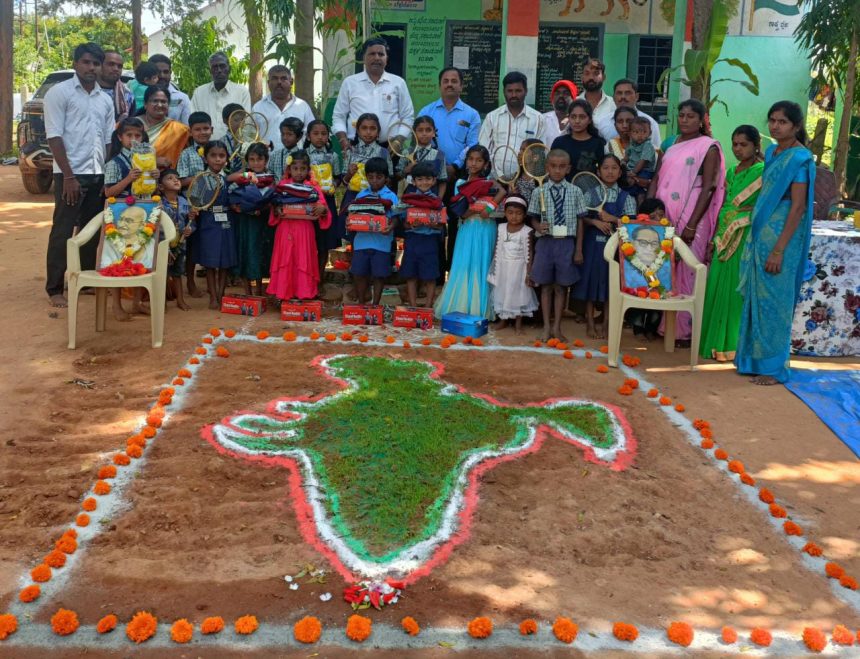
column 66, row 218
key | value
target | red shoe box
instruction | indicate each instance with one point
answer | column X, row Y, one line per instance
column 367, row 222
column 295, row 211
column 362, row 314
column 483, row 203
column 427, row 217
column 245, row 305
column 414, row 317
column 301, row 310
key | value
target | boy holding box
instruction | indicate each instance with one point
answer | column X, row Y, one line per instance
column 559, row 246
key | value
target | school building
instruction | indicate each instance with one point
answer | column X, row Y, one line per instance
column 551, row 39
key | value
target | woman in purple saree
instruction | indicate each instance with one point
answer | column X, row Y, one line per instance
column 691, row 183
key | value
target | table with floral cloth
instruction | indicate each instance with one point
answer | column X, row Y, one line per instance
column 827, row 317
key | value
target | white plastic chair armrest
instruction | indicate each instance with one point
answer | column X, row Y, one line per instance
column 610, row 248
column 167, row 226
column 74, row 244
column 686, row 253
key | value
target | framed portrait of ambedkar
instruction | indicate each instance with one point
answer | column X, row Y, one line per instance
column 130, row 235
column 646, row 255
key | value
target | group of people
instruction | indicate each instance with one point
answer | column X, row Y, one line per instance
column 750, row 224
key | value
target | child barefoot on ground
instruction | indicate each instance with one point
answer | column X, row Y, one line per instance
column 513, row 295
column 177, row 207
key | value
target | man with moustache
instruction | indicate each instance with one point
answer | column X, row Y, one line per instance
column 602, row 105
column 626, row 94
column 214, row 96
column 110, row 82
column 555, row 121
column 180, row 105
column 280, row 103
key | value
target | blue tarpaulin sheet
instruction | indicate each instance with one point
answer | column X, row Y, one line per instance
column 835, row 397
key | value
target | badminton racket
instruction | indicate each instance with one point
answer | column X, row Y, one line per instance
column 506, row 165
column 402, row 141
column 246, row 128
column 203, row 190
column 534, row 165
column 592, row 189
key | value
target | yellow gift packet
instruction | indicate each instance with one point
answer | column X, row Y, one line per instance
column 143, row 158
column 358, row 182
column 324, row 176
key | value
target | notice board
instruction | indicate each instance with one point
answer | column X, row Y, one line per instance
column 563, row 49
column 475, row 47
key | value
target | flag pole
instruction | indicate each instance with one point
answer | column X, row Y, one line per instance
column 752, row 16
column 679, row 33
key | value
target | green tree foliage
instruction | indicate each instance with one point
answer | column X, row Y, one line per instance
column 58, row 37
column 191, row 41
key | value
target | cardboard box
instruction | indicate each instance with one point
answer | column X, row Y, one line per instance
column 462, row 324
column 301, row 310
column 295, row 211
column 367, row 222
column 483, row 203
column 245, row 305
column 363, row 314
column 414, row 317
column 426, row 217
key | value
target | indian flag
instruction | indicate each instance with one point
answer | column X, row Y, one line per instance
column 779, row 6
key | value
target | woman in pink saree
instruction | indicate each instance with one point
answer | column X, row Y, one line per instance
column 691, row 183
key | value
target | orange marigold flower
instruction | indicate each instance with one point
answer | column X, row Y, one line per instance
column 707, row 433
column 625, row 390
column 537, row 344
column 746, row 479
column 178, row 381
column 720, row 454
column 89, row 504
column 680, row 633
column 64, row 622
column 665, row 400
column 30, row 593
column 631, row 361
column 149, row 432
column 761, row 637
column 207, row 340
column 262, row 335
column 552, row 343
column 842, row 635
column 426, row 342
column 200, row 350
column 528, row 627
column 848, row 582
column 604, row 349
column 72, row 533
column 154, row 421
column 289, row 336
column 107, row 624
column 707, row 444
column 215, row 332
column 136, row 440
column 729, row 635
column 812, row 549
column 363, row 338
column 120, row 459
column 468, row 341
column 633, row 383
column 221, row 351
column 67, row 544
column 82, row 520
column 134, row 451
column 814, row 639
column 141, row 627
column 212, row 625
column 101, row 488
column 315, row 336
column 55, row 559
column 567, row 354
column 410, row 626
column 182, row 631
column 184, row 372
column 765, row 495
column 246, row 625
column 736, row 466
column 477, row 342
column 8, row 625
column 406, row 344
column 331, row 336
column 565, row 629
column 390, row 339
column 680, row 408
column 588, row 355
column 625, row 632
column 445, row 345
column 229, row 333
column 481, row 627
column 603, row 368
column 358, row 628
column 653, row 393
column 107, row 471
column 777, row 511
column 307, row 630
column 561, row 346
column 791, row 528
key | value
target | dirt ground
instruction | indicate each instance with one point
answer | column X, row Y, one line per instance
column 666, row 539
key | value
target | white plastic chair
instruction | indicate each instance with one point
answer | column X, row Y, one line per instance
column 155, row 282
column 620, row 302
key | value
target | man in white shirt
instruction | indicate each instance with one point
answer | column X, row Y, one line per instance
column 512, row 123
column 626, row 94
column 555, row 121
column 78, row 124
column 602, row 105
column 373, row 90
column 180, row 105
column 281, row 104
column 214, row 96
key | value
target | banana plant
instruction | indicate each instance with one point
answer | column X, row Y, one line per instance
column 699, row 64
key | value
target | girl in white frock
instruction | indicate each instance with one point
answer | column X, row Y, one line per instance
column 513, row 296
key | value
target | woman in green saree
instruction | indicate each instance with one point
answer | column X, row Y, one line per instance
column 723, row 304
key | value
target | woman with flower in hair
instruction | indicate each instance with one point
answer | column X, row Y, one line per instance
column 691, row 182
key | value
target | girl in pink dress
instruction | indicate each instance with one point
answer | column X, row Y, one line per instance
column 691, row 182
column 295, row 269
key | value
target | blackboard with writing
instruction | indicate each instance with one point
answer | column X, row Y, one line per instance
column 563, row 50
column 476, row 49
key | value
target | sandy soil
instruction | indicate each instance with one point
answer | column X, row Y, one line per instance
column 665, row 539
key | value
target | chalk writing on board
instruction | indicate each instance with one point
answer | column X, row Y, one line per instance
column 423, row 37
column 562, row 52
column 481, row 78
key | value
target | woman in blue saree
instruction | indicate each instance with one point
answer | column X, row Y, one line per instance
column 777, row 249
